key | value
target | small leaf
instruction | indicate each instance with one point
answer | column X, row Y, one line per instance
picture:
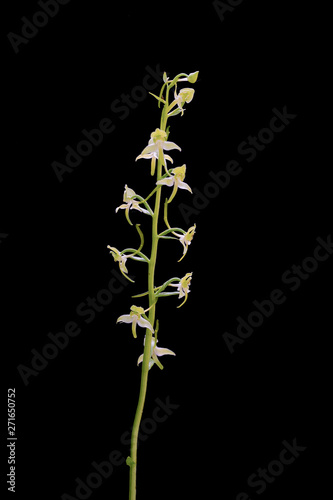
column 158, row 98
column 130, row 462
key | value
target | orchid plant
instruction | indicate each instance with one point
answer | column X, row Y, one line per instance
column 165, row 178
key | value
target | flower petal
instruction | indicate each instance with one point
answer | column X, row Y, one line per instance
column 183, row 185
column 125, row 318
column 124, row 205
column 143, row 210
column 153, row 148
column 161, row 351
column 170, row 145
column 167, row 157
column 146, row 156
column 168, row 181
column 145, row 324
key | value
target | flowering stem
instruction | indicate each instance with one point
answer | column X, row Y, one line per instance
column 147, row 348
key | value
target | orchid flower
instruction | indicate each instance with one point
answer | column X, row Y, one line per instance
column 185, row 95
column 185, row 239
column 153, row 157
column 183, row 287
column 135, row 317
column 156, row 147
column 155, row 352
column 131, row 203
column 176, row 180
column 119, row 257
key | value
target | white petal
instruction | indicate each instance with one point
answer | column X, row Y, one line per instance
column 150, row 149
column 169, row 181
column 183, row 185
column 161, row 351
column 146, row 157
column 167, row 157
column 126, row 318
column 124, row 205
column 143, row 210
column 170, row 145
column 145, row 324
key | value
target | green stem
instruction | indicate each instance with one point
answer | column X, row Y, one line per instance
column 147, row 348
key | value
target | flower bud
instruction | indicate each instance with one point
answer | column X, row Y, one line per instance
column 186, row 95
column 192, row 77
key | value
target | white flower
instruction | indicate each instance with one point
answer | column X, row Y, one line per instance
column 156, row 147
column 183, row 287
column 135, row 317
column 185, row 95
column 130, row 203
column 185, row 239
column 175, row 180
column 154, row 353
column 118, row 257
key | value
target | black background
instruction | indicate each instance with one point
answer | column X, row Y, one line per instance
column 236, row 409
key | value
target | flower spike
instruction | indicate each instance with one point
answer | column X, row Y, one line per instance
column 172, row 99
